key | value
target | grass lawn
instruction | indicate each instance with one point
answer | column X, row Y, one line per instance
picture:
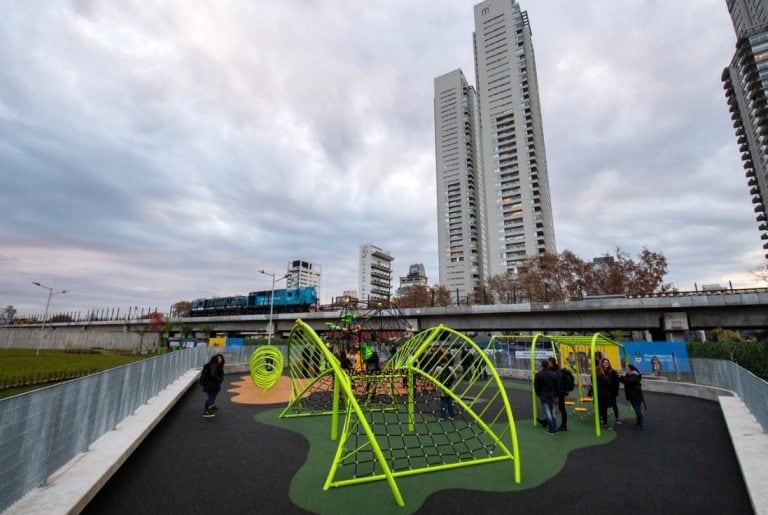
column 22, row 365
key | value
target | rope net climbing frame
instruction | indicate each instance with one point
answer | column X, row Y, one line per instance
column 437, row 404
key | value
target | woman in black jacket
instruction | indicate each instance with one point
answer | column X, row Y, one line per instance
column 633, row 389
column 607, row 391
column 210, row 379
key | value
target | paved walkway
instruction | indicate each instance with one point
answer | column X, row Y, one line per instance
column 683, row 462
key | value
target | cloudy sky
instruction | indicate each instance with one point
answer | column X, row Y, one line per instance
column 152, row 152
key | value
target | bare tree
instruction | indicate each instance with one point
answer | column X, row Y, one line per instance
column 761, row 272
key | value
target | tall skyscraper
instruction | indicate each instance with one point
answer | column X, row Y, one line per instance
column 519, row 208
column 493, row 198
column 375, row 282
column 460, row 203
column 746, row 88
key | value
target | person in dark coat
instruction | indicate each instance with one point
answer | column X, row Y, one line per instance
column 561, row 394
column 545, row 384
column 210, row 379
column 607, row 391
column 632, row 380
column 445, row 374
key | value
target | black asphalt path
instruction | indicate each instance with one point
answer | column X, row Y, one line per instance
column 682, row 463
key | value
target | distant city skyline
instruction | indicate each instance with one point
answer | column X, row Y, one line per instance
column 153, row 154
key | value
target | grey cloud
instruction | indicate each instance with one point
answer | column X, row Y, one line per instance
column 168, row 152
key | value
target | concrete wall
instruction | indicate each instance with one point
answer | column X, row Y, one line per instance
column 111, row 338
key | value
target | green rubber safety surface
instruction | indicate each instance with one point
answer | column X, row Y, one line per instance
column 542, row 457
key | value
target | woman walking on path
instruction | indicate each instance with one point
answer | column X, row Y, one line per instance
column 633, row 389
column 210, row 379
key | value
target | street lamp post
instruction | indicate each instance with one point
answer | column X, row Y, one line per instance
column 51, row 293
column 271, row 303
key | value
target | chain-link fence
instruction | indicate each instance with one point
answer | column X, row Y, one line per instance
column 42, row 430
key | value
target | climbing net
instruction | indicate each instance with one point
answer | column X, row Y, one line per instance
column 426, row 411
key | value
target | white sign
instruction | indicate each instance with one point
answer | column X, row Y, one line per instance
column 675, row 321
column 540, row 354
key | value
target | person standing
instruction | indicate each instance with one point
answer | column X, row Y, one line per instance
column 561, row 393
column 632, row 380
column 607, row 391
column 545, row 384
column 445, row 374
column 210, row 379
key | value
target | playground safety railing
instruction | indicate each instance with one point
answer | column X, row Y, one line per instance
column 42, row 430
column 727, row 374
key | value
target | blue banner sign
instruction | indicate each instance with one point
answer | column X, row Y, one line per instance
column 658, row 357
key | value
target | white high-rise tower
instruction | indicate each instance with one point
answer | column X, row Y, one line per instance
column 519, row 208
column 493, row 202
column 460, row 207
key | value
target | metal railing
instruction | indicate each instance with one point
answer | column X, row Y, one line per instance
column 42, row 430
column 727, row 374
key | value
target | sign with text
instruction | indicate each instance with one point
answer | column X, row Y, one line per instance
column 657, row 357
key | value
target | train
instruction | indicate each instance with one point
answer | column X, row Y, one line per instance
column 288, row 300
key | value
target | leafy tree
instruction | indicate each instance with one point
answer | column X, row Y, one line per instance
column 207, row 330
column 422, row 296
column 442, row 296
column 721, row 335
column 503, row 288
column 181, row 309
column 541, row 278
column 186, row 330
column 727, row 345
column 156, row 323
column 557, row 277
column 416, row 296
column 164, row 335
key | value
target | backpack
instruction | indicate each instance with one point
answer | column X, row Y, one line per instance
column 204, row 374
column 569, row 383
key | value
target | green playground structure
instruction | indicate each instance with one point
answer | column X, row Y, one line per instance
column 437, row 404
